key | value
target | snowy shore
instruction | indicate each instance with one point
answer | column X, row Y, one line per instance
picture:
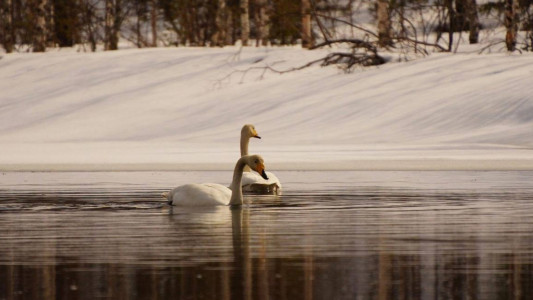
column 182, row 109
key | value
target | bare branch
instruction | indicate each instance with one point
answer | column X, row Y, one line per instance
column 422, row 43
column 357, row 43
column 348, row 23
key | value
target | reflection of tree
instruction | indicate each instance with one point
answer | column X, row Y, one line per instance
column 308, row 267
column 450, row 275
column 269, row 253
column 242, row 279
column 385, row 274
column 252, row 274
column 262, row 269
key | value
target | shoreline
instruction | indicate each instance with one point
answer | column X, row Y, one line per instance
column 349, row 165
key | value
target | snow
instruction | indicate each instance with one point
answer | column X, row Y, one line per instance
column 183, row 108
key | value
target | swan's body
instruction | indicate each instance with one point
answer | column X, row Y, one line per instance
column 200, row 194
column 212, row 194
column 255, row 184
column 252, row 182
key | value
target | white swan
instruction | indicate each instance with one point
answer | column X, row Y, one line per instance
column 252, row 182
column 210, row 194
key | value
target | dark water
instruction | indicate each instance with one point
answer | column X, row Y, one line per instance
column 332, row 235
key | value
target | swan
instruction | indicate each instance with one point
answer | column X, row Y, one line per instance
column 211, row 194
column 252, row 182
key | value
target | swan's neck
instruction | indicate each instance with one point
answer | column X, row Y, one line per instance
column 245, row 139
column 244, row 144
column 236, row 189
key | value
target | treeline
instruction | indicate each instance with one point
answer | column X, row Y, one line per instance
column 147, row 23
column 34, row 25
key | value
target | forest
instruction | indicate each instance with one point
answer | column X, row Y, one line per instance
column 365, row 25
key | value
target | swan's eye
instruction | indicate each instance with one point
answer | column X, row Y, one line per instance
column 256, row 161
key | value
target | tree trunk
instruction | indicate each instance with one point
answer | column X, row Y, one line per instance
column 154, row 23
column 6, row 23
column 511, row 16
column 231, row 36
column 116, row 25
column 262, row 22
column 138, row 33
column 245, row 22
column 50, row 24
column 473, row 21
column 451, row 17
column 221, row 22
column 88, row 23
column 108, row 26
column 306, row 24
column 112, row 24
column 384, row 23
column 530, row 34
column 138, row 30
column 67, row 20
column 461, row 7
column 39, row 33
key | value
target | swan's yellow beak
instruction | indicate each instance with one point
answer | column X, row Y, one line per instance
column 255, row 135
column 261, row 170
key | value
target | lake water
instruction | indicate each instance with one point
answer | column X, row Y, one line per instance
column 331, row 235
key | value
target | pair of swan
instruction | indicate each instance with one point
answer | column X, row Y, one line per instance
column 205, row 194
column 209, row 194
column 252, row 182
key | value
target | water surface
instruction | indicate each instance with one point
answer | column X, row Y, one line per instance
column 331, row 235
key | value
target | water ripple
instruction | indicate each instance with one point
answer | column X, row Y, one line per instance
column 366, row 233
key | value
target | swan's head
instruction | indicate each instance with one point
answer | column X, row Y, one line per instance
column 256, row 163
column 249, row 131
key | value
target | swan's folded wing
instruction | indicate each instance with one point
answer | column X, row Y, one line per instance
column 252, row 183
column 249, row 178
column 207, row 194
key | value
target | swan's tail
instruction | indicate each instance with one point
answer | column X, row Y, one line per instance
column 167, row 196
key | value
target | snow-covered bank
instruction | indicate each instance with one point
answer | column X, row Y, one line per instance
column 183, row 109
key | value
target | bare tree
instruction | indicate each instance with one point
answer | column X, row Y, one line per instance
column 40, row 34
column 473, row 21
column 153, row 20
column 89, row 22
column 222, row 24
column 113, row 20
column 451, row 24
column 511, row 23
column 405, row 24
column 141, row 10
column 306, row 24
column 67, row 23
column 231, row 25
column 262, row 22
column 50, row 23
column 529, row 35
column 384, row 23
column 245, row 22
column 108, row 27
column 6, row 25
